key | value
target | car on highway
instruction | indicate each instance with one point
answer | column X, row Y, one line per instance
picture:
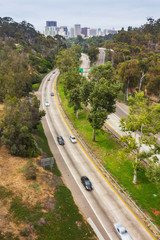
column 87, row 183
column 46, row 103
column 121, row 231
column 52, row 93
column 60, row 140
column 49, row 79
column 53, row 72
column 72, row 139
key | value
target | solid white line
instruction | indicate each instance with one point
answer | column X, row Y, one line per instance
column 100, row 237
column 118, row 105
column 73, row 174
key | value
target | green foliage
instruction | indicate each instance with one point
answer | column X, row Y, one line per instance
column 30, row 172
column 4, row 193
column 20, row 117
column 41, row 64
column 135, row 53
column 35, row 86
column 102, row 90
column 142, row 118
column 120, row 166
column 93, row 53
column 61, row 222
column 68, row 59
column 153, row 174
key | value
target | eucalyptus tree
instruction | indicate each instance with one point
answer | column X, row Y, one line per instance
column 19, row 118
column 141, row 126
column 129, row 74
column 99, row 94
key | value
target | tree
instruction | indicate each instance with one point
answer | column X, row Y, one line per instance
column 93, row 53
column 129, row 74
column 99, row 94
column 19, row 119
column 141, row 125
column 153, row 174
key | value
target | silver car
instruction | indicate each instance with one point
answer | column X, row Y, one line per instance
column 121, row 231
column 46, row 103
column 73, row 139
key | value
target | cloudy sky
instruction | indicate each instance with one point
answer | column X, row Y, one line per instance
column 89, row 13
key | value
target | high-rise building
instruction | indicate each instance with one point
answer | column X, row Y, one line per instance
column 50, row 31
column 92, row 32
column 71, row 33
column 77, row 30
column 51, row 28
column 63, row 31
column 84, row 31
column 51, row 23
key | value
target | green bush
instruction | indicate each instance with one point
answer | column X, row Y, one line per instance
column 30, row 172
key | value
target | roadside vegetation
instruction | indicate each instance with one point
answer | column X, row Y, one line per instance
column 106, row 149
column 34, row 203
column 129, row 75
column 46, row 210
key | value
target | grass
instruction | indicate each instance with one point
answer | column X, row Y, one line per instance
column 42, row 140
column 106, row 149
column 64, row 222
column 36, row 86
column 5, row 193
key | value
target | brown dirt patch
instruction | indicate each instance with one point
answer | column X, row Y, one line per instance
column 12, row 178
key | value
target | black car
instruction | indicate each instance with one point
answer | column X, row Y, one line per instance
column 87, row 183
column 60, row 140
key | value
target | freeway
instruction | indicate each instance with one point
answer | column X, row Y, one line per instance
column 101, row 56
column 122, row 110
column 101, row 207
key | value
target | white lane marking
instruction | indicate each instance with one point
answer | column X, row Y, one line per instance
column 71, row 171
column 118, row 105
column 100, row 237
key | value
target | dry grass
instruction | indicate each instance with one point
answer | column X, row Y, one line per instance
column 13, row 179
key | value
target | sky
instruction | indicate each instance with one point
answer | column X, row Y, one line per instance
column 104, row 14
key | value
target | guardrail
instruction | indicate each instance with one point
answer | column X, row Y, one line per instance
column 125, row 196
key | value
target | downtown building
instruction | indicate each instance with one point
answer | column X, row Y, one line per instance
column 51, row 29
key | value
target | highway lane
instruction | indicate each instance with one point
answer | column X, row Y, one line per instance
column 101, row 56
column 122, row 110
column 101, row 207
column 85, row 64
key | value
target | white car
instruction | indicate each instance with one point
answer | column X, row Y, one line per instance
column 73, row 139
column 121, row 232
column 46, row 103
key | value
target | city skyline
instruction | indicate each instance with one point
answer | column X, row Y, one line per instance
column 106, row 14
column 52, row 28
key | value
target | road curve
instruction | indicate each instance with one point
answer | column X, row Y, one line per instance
column 103, row 206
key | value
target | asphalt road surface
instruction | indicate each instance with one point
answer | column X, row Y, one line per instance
column 101, row 56
column 101, row 207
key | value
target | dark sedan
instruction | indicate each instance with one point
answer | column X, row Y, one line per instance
column 87, row 183
column 60, row 140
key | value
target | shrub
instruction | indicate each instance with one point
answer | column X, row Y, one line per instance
column 30, row 172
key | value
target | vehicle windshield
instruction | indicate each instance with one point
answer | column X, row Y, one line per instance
column 87, row 183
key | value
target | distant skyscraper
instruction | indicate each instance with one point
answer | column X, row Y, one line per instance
column 51, row 24
column 50, row 28
column 84, row 31
column 71, row 33
column 77, row 30
column 92, row 32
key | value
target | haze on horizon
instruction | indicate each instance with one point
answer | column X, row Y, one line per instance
column 89, row 13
